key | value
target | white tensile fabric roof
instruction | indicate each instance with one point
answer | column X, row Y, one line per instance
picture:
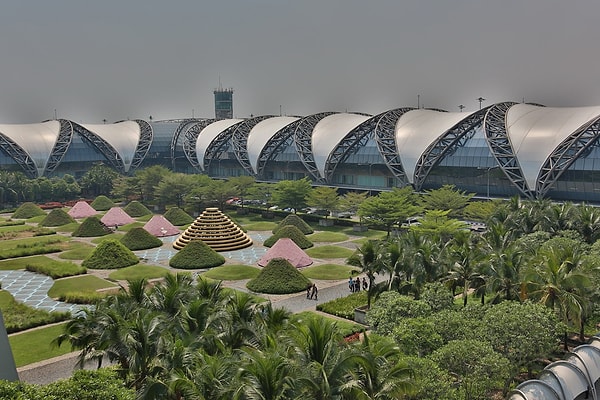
column 416, row 130
column 261, row 133
column 122, row 136
column 535, row 132
column 329, row 132
column 37, row 140
column 208, row 134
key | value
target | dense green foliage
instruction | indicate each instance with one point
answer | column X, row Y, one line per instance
column 102, row 203
column 178, row 217
column 344, row 306
column 57, row 217
column 294, row 220
column 140, row 239
column 289, row 231
column 136, row 209
column 110, row 254
column 91, row 227
column 196, row 255
column 28, row 210
column 278, row 277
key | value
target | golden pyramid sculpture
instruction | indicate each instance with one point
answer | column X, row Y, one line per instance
column 216, row 230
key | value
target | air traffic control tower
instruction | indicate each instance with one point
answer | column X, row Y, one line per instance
column 223, row 103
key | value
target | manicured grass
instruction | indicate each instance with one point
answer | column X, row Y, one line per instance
column 260, row 226
column 39, row 340
column 54, row 268
column 36, row 220
column 5, row 299
column 79, row 284
column 18, row 316
column 76, row 251
column 116, row 236
column 328, row 271
column 329, row 252
column 345, row 327
column 139, row 271
column 144, row 218
column 13, row 244
column 232, row 272
column 328, row 237
column 15, row 263
column 67, row 227
column 15, row 228
column 128, row 227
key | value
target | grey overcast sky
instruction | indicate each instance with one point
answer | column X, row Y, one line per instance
column 120, row 59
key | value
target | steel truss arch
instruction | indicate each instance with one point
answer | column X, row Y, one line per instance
column 183, row 126
column 303, row 142
column 446, row 144
column 385, row 138
column 275, row 145
column 106, row 149
column 239, row 139
column 190, row 137
column 501, row 148
column 63, row 141
column 355, row 139
column 18, row 154
column 143, row 146
column 218, row 145
column 566, row 153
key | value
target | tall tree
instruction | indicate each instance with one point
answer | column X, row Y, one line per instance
column 98, row 180
column 389, row 208
column 446, row 198
column 291, row 194
column 323, row 198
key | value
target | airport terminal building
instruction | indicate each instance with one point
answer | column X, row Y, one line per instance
column 502, row 150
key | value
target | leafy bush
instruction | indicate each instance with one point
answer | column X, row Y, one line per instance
column 55, row 269
column 344, row 306
column 28, row 210
column 178, row 217
column 196, row 255
column 136, row 209
column 102, row 203
column 11, row 223
column 140, row 239
column 57, row 217
column 289, row 231
column 294, row 220
column 390, row 307
column 81, row 298
column 43, row 232
column 90, row 227
column 110, row 254
column 279, row 277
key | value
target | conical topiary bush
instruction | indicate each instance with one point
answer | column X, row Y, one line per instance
column 178, row 217
column 140, row 239
column 57, row 217
column 136, row 209
column 28, row 210
column 293, row 219
column 289, row 231
column 102, row 203
column 90, row 227
column 110, row 254
column 278, row 277
column 196, row 255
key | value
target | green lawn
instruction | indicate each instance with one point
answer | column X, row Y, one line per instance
column 76, row 251
column 38, row 339
column 260, row 226
column 128, row 227
column 116, row 236
column 15, row 228
column 145, row 218
column 329, row 252
column 328, row 271
column 38, row 240
column 52, row 267
column 79, row 284
column 139, row 271
column 345, row 327
column 67, row 227
column 328, row 237
column 15, row 263
column 232, row 272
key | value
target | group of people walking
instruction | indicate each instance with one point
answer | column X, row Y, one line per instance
column 355, row 284
column 312, row 292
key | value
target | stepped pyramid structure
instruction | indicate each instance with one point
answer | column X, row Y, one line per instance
column 287, row 249
column 216, row 230
column 81, row 209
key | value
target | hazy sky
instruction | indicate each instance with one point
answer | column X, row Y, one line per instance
column 119, row 59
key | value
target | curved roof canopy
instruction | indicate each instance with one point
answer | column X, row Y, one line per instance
column 260, row 135
column 37, row 140
column 328, row 133
column 535, row 132
column 416, row 130
column 123, row 137
column 210, row 133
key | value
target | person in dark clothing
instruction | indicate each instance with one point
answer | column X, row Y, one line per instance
column 308, row 291
column 357, row 284
column 351, row 284
column 365, row 285
column 314, row 292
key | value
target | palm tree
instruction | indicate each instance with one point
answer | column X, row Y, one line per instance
column 464, row 257
column 368, row 259
column 265, row 376
column 587, row 221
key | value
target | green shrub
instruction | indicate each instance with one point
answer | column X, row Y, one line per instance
column 294, row 220
column 196, row 255
column 28, row 210
column 178, row 217
column 30, row 248
column 278, row 277
column 289, row 231
column 140, row 239
column 57, row 217
column 11, row 223
column 136, row 209
column 344, row 306
column 110, row 254
column 54, row 269
column 81, row 298
column 102, row 203
column 90, row 227
column 43, row 232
